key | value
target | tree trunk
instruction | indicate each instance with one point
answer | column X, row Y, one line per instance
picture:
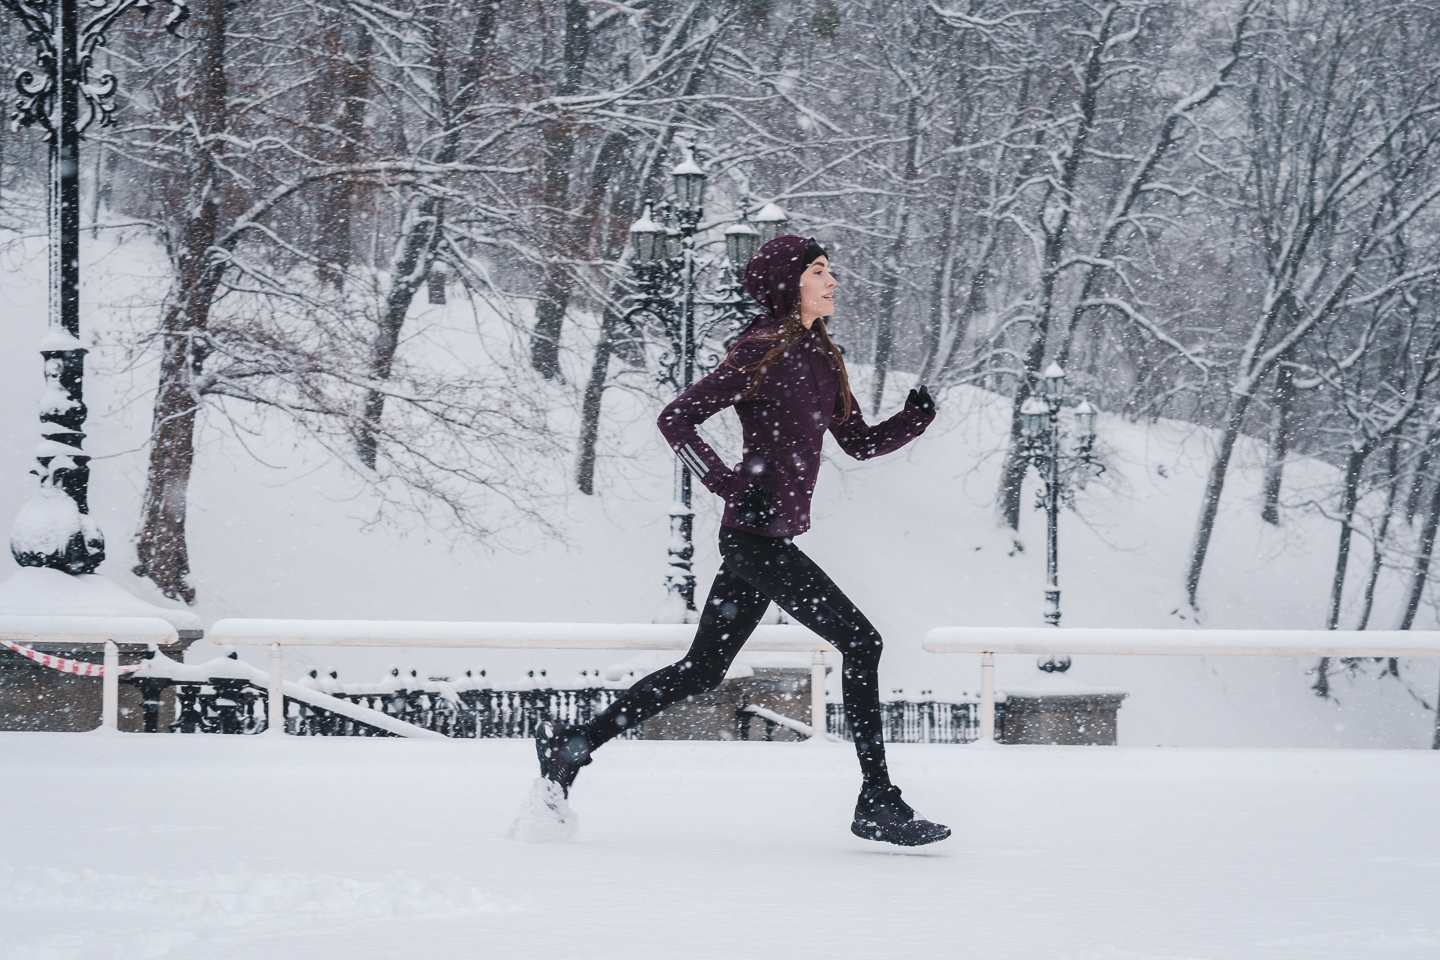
column 1377, row 557
column 335, row 243
column 885, row 315
column 1422, row 473
column 550, row 309
column 1422, row 562
column 1282, row 400
column 1214, row 486
column 590, row 408
column 1435, row 740
column 1349, row 498
column 415, row 253
column 411, row 267
column 559, row 135
column 162, row 544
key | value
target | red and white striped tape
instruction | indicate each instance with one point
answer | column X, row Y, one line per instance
column 80, row 668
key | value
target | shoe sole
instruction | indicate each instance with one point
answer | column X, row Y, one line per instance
column 871, row 831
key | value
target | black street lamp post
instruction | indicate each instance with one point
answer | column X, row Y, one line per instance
column 667, row 272
column 1043, row 448
column 63, row 97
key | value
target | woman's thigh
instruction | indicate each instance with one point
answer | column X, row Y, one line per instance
column 785, row 574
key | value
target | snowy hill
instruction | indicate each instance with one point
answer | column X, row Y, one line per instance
column 276, row 532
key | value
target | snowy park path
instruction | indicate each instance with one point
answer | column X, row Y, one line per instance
column 131, row 846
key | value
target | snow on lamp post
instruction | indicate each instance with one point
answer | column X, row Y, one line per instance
column 64, row 96
column 1043, row 448
column 772, row 221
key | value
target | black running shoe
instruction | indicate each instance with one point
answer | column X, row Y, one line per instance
column 881, row 815
column 563, row 750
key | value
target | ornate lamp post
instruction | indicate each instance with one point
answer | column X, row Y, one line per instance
column 1043, row 448
column 64, row 96
column 668, row 272
column 689, row 206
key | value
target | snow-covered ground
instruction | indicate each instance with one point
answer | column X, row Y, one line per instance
column 911, row 537
column 227, row 848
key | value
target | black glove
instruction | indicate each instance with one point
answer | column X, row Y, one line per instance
column 755, row 508
column 921, row 400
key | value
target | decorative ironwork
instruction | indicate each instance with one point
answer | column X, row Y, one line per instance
column 471, row 707
column 1042, row 447
column 55, row 29
column 48, row 532
column 910, row 721
column 672, row 306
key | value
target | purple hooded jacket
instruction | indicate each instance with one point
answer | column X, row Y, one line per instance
column 785, row 419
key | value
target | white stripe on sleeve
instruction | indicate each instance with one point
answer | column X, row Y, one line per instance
column 699, row 465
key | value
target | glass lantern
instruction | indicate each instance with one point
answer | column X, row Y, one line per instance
column 741, row 241
column 648, row 238
column 1033, row 414
column 1085, row 420
column 772, row 222
column 689, row 182
column 1054, row 381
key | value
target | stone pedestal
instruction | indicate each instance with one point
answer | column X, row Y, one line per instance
column 34, row 697
column 715, row 715
column 1057, row 708
column 1068, row 719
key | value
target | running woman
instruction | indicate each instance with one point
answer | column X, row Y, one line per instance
column 786, row 380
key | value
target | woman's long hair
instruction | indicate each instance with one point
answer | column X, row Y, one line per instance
column 785, row 336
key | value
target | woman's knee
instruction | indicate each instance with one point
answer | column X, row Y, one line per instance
column 866, row 647
column 699, row 677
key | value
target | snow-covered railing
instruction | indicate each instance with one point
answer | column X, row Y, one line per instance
column 481, row 635
column 988, row 641
column 109, row 631
column 225, row 668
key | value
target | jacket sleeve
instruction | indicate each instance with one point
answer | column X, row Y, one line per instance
column 863, row 441
column 721, row 388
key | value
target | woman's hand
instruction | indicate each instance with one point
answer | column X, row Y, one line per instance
column 755, row 508
column 921, row 400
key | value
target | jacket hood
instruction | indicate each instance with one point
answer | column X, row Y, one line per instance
column 772, row 276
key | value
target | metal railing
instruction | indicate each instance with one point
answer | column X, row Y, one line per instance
column 989, row 641
column 917, row 721
column 466, row 713
column 277, row 634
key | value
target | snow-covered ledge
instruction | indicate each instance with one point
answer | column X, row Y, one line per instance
column 42, row 592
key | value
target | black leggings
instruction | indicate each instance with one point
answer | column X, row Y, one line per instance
column 757, row 570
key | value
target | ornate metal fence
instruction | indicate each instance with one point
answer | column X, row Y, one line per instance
column 471, row 709
column 909, row 721
column 481, row 712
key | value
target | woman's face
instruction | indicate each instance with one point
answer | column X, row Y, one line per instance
column 817, row 292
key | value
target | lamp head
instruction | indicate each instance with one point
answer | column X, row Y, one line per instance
column 741, row 242
column 772, row 222
column 648, row 238
column 689, row 181
column 1085, row 420
column 1033, row 414
column 1054, row 381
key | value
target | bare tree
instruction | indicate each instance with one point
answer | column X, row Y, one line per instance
column 1337, row 140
